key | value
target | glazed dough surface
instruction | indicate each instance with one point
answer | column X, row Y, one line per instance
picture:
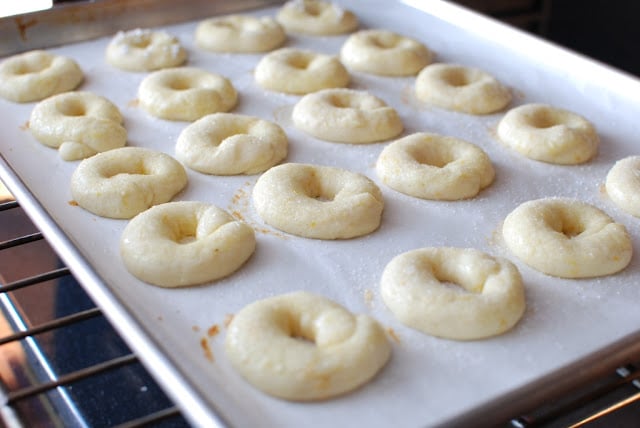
column 239, row 34
column 316, row 17
column 145, row 50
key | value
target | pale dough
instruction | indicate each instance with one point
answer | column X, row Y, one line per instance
column 315, row 17
column 385, row 53
column 177, row 244
column 298, row 71
column 186, row 94
column 431, row 166
column 623, row 184
column 346, row 116
column 145, row 50
column 79, row 124
column 230, row 144
column 567, row 238
column 318, row 201
column 239, row 34
column 463, row 89
column 549, row 134
column 454, row 293
column 301, row 346
column 124, row 182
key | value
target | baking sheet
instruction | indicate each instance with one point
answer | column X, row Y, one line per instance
column 428, row 381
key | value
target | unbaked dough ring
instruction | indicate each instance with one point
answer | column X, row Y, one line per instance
column 318, row 18
column 385, row 53
column 79, row 124
column 124, row 182
column 239, row 34
column 186, row 94
column 230, row 144
column 36, row 75
column 623, row 184
column 431, row 166
column 300, row 346
column 346, row 116
column 145, row 50
column 567, row 238
column 297, row 71
column 185, row 243
column 463, row 89
column 549, row 134
column 487, row 297
column 318, row 201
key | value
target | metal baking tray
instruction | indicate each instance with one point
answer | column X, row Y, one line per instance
column 571, row 326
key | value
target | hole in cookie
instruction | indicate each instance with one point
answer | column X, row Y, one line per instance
column 179, row 84
column 300, row 61
column 313, row 9
column 571, row 229
column 182, row 230
column 296, row 332
column 71, row 107
column 384, row 41
column 432, row 156
column 543, row 119
column 28, row 67
column 456, row 77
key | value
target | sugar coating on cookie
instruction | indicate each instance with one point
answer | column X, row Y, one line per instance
column 549, row 134
column 346, row 116
column 454, row 293
column 567, row 238
column 231, row 144
column 124, row 182
column 623, row 184
column 239, row 34
column 385, row 53
column 459, row 88
column 186, row 93
column 315, row 17
column 79, row 124
column 302, row 346
column 36, row 75
column 145, row 50
column 318, row 201
column 177, row 244
column 431, row 166
column 300, row 71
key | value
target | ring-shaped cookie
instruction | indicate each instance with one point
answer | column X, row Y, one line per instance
column 318, row 201
column 145, row 50
column 186, row 94
column 567, row 238
column 431, row 166
column 384, row 53
column 623, row 184
column 239, row 34
column 454, row 293
column 463, row 89
column 346, row 116
column 549, row 134
column 124, row 182
column 301, row 346
column 231, row 144
column 36, row 75
column 79, row 124
column 298, row 71
column 177, row 244
column 315, row 17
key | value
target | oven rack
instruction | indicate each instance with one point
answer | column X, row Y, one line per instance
column 46, row 397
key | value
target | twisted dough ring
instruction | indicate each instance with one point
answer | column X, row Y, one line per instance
column 314, row 17
column 300, row 346
column 430, row 166
column 80, row 124
column 185, row 243
column 145, row 50
column 623, row 184
column 463, row 89
column 123, row 182
column 549, row 134
column 36, row 75
column 346, row 116
column 490, row 298
column 186, row 94
column 297, row 71
column 229, row 144
column 385, row 53
column 318, row 201
column 239, row 34
column 567, row 238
